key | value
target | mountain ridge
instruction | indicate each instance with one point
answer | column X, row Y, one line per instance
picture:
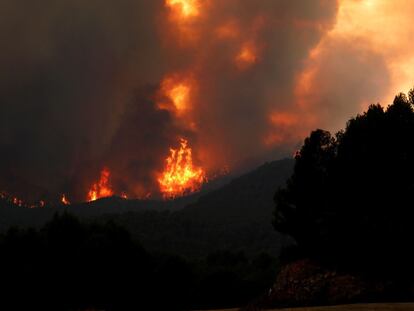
column 235, row 216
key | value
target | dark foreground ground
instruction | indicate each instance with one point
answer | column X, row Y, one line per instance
column 354, row 307
column 362, row 307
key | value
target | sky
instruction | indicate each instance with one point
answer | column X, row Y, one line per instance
column 88, row 85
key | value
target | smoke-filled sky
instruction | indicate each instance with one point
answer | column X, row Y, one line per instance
column 100, row 83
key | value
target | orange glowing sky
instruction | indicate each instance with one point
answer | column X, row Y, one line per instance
column 384, row 27
column 372, row 29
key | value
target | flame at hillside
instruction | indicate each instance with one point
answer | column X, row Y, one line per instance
column 101, row 189
column 65, row 200
column 185, row 8
column 18, row 202
column 180, row 175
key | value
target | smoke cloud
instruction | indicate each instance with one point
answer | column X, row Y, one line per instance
column 83, row 84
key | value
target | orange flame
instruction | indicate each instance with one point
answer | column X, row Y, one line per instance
column 101, row 189
column 19, row 202
column 64, row 200
column 185, row 8
column 178, row 92
column 180, row 175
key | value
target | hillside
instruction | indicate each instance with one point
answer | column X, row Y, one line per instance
column 248, row 197
column 236, row 216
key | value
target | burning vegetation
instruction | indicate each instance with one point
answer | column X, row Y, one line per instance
column 14, row 200
column 64, row 200
column 180, row 175
column 102, row 188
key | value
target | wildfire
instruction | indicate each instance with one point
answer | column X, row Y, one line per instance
column 186, row 8
column 101, row 189
column 64, row 200
column 180, row 175
column 19, row 202
column 178, row 92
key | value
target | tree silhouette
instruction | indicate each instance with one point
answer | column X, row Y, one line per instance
column 350, row 199
column 70, row 264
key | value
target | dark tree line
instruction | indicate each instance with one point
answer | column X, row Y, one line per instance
column 71, row 265
column 350, row 200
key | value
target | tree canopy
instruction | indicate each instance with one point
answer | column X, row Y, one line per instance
column 350, row 198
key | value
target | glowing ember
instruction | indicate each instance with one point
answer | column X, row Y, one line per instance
column 101, row 189
column 186, row 8
column 12, row 199
column 64, row 200
column 246, row 57
column 18, row 202
column 180, row 175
